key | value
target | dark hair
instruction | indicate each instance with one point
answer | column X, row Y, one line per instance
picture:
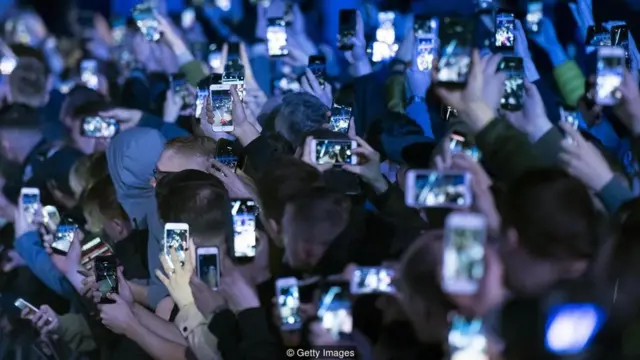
column 26, row 51
column 18, row 116
column 77, row 97
column 553, row 213
column 280, row 145
column 101, row 195
column 192, row 145
column 28, row 82
column 300, row 113
column 198, row 199
column 285, row 177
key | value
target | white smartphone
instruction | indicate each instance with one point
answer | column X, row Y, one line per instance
column 29, row 201
column 463, row 252
column 336, row 152
column 368, row 280
column 289, row 303
column 89, row 73
column 467, row 339
column 63, row 238
column 208, row 265
column 222, row 105
column 51, row 217
column 610, row 69
column 176, row 236
column 22, row 304
column 334, row 309
column 428, row 188
column 244, row 214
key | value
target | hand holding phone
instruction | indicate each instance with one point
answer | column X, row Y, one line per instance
column 106, row 274
column 99, row 127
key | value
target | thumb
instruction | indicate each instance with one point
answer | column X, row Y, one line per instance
column 115, row 297
column 120, row 275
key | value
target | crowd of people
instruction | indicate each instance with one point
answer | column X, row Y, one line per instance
column 230, row 182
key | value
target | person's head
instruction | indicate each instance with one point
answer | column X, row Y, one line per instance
column 298, row 114
column 188, row 152
column 20, row 130
column 285, row 177
column 29, row 82
column 87, row 170
column 200, row 200
column 551, row 228
column 103, row 211
column 76, row 98
column 311, row 221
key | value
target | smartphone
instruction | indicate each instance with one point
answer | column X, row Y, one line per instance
column 146, row 21
column 346, row 29
column 336, row 152
column 224, row 5
column 334, row 309
column 179, row 84
column 620, row 38
column 208, row 265
column 467, row 339
column 233, row 52
column 368, row 280
column 201, row 100
column 385, row 33
column 609, row 72
column 286, row 85
column 63, row 238
column 23, row 304
column 597, row 35
column 29, row 202
column 244, row 214
column 427, row 188
column 504, row 36
column 425, row 26
column 118, row 30
column 448, row 113
column 570, row 328
column 99, row 127
column 289, row 303
column 176, row 236
column 227, row 156
column 234, row 75
column 89, row 73
column 340, row 118
column 465, row 236
column 454, row 60
column 106, row 277
column 318, row 66
column 534, row 16
column 277, row 37
column 222, row 105
column 94, row 248
column 187, row 18
column 7, row 64
column 459, row 144
column 380, row 51
column 214, row 58
column 484, row 6
column 571, row 117
column 51, row 217
column 512, row 98
column 425, row 52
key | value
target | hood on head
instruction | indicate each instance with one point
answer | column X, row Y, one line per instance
column 132, row 156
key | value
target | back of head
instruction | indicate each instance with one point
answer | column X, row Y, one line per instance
column 28, row 81
column 285, row 177
column 198, row 199
column 19, row 117
column 300, row 113
column 100, row 203
column 90, row 108
column 553, row 214
column 192, row 146
column 77, row 97
column 87, row 170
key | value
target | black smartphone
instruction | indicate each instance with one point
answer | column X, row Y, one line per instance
column 340, row 118
column 425, row 26
column 514, row 83
column 106, row 277
column 454, row 60
column 504, row 37
column 597, row 35
column 233, row 52
column 63, row 237
column 226, row 155
column 99, row 127
column 346, row 29
column 620, row 38
column 179, row 84
column 317, row 65
column 277, row 37
column 244, row 212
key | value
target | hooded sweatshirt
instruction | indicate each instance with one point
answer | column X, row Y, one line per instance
column 132, row 156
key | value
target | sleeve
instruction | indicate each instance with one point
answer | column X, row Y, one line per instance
column 391, row 205
column 194, row 327
column 613, row 195
column 395, row 92
column 224, row 327
column 570, row 81
column 157, row 291
column 259, row 153
column 76, row 333
column 169, row 131
column 257, row 341
column 193, row 71
column 29, row 247
column 548, row 146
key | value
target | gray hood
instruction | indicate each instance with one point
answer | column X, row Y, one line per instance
column 132, row 157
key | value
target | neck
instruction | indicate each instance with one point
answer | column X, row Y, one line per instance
column 28, row 141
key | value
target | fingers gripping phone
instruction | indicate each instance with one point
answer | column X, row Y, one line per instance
column 99, row 127
column 63, row 237
column 146, row 21
column 513, row 94
column 463, row 254
column 336, row 152
column 368, row 280
column 454, row 60
column 29, row 202
column 89, row 73
column 609, row 72
column 277, row 37
column 288, row 296
column 222, row 105
column 208, row 265
column 466, row 339
column 244, row 214
column 427, row 188
column 347, row 29
column 106, row 277
column 334, row 309
column 340, row 118
column 505, row 39
column 317, row 65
